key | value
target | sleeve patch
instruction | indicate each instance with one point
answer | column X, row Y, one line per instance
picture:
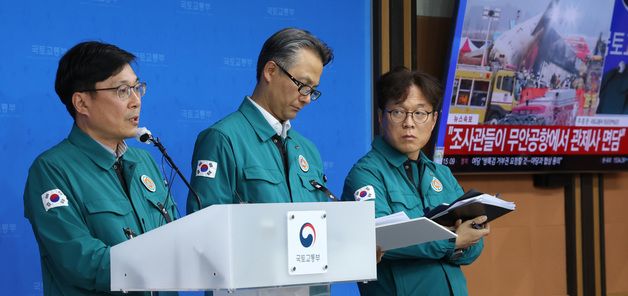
column 206, row 168
column 54, row 198
column 365, row 193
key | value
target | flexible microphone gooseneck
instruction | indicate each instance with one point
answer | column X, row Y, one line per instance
column 319, row 186
column 145, row 136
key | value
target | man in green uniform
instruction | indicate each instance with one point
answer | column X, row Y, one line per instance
column 398, row 177
column 253, row 155
column 614, row 91
column 92, row 191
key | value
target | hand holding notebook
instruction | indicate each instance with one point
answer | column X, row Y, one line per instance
column 470, row 205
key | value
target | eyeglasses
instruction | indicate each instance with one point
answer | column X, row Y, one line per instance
column 124, row 91
column 304, row 89
column 398, row 116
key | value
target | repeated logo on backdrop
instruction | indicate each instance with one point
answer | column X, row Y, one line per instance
column 211, row 82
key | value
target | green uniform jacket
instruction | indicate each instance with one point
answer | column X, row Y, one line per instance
column 237, row 160
column 424, row 269
column 78, row 209
column 614, row 93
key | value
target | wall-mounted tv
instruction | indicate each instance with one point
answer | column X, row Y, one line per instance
column 525, row 90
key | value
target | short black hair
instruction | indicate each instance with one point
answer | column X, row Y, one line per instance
column 85, row 64
column 394, row 87
column 282, row 46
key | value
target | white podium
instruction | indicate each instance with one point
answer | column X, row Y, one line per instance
column 245, row 246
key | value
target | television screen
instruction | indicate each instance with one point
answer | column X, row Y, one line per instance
column 525, row 88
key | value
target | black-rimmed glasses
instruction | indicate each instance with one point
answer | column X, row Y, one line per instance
column 304, row 89
column 398, row 116
column 124, row 91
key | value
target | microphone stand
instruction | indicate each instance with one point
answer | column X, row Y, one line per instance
column 161, row 148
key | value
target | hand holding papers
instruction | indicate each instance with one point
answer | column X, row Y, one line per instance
column 470, row 205
column 398, row 231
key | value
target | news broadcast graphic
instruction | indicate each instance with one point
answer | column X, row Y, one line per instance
column 525, row 91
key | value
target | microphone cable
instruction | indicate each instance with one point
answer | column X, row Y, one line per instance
column 169, row 183
column 145, row 136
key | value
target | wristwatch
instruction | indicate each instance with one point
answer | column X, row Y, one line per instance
column 456, row 254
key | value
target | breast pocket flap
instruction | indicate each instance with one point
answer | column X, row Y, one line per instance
column 409, row 200
column 119, row 207
column 257, row 173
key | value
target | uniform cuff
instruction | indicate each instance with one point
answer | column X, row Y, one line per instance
column 103, row 276
column 451, row 247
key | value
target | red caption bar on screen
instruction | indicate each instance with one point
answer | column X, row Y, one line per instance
column 535, row 140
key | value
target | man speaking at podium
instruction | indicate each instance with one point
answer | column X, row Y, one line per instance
column 253, row 155
column 92, row 191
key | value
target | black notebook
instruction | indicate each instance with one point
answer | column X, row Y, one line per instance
column 468, row 206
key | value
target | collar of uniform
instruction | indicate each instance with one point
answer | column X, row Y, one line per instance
column 425, row 160
column 280, row 128
column 260, row 125
column 93, row 149
column 393, row 156
column 121, row 149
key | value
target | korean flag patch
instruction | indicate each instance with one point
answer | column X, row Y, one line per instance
column 206, row 168
column 54, row 198
column 365, row 193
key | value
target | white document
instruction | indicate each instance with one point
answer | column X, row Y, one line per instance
column 392, row 218
column 397, row 232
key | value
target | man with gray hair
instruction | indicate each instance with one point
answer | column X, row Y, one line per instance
column 253, row 155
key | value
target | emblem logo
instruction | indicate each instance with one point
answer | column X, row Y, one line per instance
column 303, row 163
column 436, row 185
column 307, row 235
column 148, row 183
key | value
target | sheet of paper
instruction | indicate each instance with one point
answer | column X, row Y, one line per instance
column 410, row 232
column 392, row 218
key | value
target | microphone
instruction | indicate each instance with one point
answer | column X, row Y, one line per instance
column 145, row 136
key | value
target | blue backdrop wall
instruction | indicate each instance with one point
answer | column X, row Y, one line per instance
column 198, row 57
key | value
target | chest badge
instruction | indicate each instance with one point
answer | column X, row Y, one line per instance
column 436, row 185
column 303, row 164
column 148, row 183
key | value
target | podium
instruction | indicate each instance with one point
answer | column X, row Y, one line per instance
column 246, row 246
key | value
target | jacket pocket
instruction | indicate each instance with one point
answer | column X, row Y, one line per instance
column 258, row 173
column 107, row 218
column 305, row 181
column 119, row 207
column 403, row 201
